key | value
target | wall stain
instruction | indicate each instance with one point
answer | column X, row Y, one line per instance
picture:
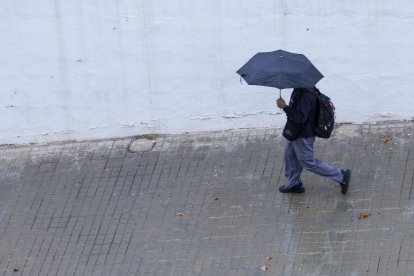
column 65, row 90
column 235, row 115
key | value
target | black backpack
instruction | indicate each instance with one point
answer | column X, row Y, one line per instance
column 325, row 116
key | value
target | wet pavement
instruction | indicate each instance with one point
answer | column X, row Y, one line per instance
column 208, row 204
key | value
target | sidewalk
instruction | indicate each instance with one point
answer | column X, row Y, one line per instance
column 208, row 204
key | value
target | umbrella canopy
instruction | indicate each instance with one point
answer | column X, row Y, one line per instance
column 280, row 69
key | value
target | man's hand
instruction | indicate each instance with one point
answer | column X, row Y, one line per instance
column 281, row 103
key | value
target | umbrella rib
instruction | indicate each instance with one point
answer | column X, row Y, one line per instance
column 281, row 72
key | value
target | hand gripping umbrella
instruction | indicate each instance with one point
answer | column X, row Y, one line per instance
column 280, row 69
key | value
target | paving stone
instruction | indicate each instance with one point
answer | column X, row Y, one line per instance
column 96, row 208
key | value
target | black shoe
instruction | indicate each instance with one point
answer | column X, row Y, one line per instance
column 298, row 188
column 345, row 183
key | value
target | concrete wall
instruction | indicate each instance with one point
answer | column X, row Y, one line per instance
column 108, row 68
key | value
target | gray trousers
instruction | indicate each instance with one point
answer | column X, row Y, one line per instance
column 299, row 156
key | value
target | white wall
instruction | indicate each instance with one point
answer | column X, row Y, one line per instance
column 86, row 69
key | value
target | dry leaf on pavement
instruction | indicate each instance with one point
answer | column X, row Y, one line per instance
column 386, row 138
column 363, row 215
column 268, row 258
column 16, row 269
column 179, row 214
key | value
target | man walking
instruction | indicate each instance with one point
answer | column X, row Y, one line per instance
column 300, row 137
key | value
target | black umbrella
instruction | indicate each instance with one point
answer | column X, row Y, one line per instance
column 280, row 69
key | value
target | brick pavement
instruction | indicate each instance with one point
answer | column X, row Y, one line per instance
column 207, row 204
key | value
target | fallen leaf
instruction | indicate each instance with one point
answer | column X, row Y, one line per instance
column 179, row 214
column 268, row 258
column 16, row 269
column 363, row 215
column 386, row 138
column 264, row 268
column 216, row 198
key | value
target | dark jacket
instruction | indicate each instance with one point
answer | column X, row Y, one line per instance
column 301, row 113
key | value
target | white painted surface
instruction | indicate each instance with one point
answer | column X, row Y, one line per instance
column 102, row 68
